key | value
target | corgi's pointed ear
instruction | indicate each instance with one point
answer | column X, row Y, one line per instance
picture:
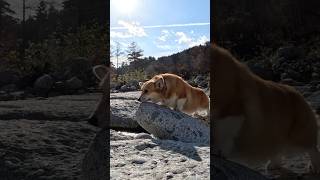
column 159, row 83
column 100, row 71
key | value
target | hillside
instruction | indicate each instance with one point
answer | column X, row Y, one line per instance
column 187, row 63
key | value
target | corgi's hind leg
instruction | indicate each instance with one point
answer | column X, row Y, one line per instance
column 315, row 160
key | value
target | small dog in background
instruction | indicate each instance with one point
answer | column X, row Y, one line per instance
column 174, row 92
column 100, row 114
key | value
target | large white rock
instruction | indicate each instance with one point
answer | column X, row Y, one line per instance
column 165, row 123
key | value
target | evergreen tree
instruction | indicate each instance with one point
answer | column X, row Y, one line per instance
column 134, row 52
column 41, row 20
column 41, row 12
column 5, row 13
column 7, row 28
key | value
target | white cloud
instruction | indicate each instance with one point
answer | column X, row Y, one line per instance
column 114, row 34
column 201, row 40
column 189, row 41
column 133, row 30
column 164, row 35
column 183, row 38
column 165, row 47
column 112, row 42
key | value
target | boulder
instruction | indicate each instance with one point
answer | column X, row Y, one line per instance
column 44, row 82
column 123, row 113
column 126, row 88
column 165, row 123
column 43, row 85
column 133, row 83
column 73, row 83
column 82, row 68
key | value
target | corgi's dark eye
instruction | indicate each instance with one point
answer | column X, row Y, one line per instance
column 145, row 91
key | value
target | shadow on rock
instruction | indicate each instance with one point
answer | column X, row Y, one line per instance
column 176, row 131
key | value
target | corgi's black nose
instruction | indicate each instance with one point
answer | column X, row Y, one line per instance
column 139, row 99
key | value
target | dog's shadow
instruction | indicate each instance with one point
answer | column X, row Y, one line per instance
column 186, row 149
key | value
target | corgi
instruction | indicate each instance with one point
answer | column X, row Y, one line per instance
column 100, row 115
column 265, row 120
column 174, row 92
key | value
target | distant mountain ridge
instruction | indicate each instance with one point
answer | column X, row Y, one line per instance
column 187, row 63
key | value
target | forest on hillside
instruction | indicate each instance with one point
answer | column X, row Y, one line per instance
column 278, row 39
column 189, row 64
column 48, row 40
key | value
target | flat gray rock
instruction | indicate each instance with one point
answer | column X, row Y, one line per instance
column 133, row 95
column 69, row 108
column 151, row 158
column 123, row 109
column 123, row 113
column 73, row 108
column 165, row 123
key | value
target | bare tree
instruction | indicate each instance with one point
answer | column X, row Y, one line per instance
column 117, row 53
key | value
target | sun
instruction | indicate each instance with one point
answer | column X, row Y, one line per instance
column 124, row 6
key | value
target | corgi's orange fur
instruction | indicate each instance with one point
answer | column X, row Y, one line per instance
column 266, row 119
column 172, row 91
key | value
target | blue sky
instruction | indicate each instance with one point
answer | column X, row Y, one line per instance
column 159, row 27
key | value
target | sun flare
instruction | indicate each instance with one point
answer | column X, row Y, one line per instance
column 124, row 6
